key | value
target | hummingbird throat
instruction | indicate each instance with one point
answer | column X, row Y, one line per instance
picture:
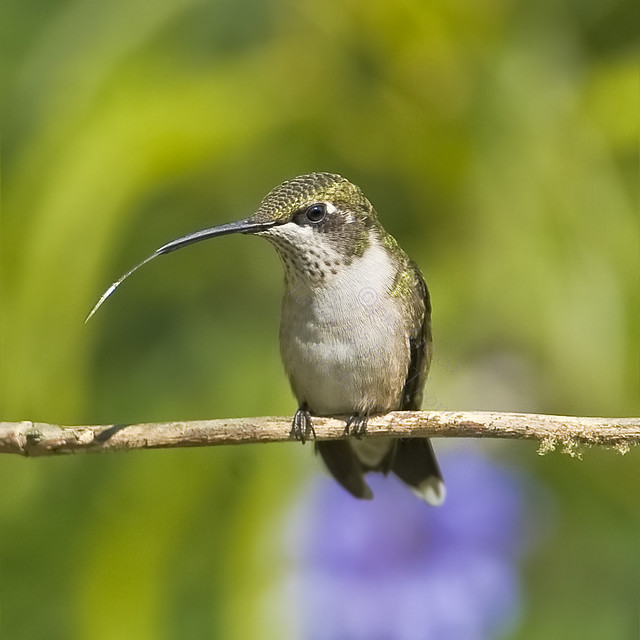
column 313, row 257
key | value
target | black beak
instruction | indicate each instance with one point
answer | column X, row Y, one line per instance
column 241, row 226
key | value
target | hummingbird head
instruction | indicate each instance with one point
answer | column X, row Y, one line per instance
column 317, row 223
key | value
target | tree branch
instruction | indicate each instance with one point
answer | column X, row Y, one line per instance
column 40, row 439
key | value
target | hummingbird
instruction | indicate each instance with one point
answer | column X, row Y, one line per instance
column 355, row 331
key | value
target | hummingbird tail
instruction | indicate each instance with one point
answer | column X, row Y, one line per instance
column 416, row 465
column 345, row 466
column 411, row 459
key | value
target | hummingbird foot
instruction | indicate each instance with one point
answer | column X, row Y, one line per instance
column 356, row 425
column 302, row 426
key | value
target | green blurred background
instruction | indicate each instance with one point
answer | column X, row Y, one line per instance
column 498, row 142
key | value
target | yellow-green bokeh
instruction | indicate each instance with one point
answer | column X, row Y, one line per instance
column 498, row 143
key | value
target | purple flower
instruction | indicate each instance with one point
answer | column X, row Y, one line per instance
column 395, row 569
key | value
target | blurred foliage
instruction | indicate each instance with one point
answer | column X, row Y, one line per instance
column 497, row 140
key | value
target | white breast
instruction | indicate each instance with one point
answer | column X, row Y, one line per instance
column 344, row 344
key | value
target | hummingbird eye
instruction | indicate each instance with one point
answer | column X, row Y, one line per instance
column 316, row 212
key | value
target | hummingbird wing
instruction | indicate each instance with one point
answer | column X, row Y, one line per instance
column 420, row 350
column 415, row 461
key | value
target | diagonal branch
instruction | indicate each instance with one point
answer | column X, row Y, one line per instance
column 40, row 439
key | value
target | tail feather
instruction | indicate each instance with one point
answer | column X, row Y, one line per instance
column 345, row 466
column 416, row 465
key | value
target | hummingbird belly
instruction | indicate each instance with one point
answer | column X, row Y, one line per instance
column 341, row 377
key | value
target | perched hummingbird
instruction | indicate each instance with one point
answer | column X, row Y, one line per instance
column 355, row 333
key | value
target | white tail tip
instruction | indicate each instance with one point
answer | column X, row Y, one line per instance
column 432, row 491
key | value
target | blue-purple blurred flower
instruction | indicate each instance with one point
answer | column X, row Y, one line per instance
column 395, row 569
